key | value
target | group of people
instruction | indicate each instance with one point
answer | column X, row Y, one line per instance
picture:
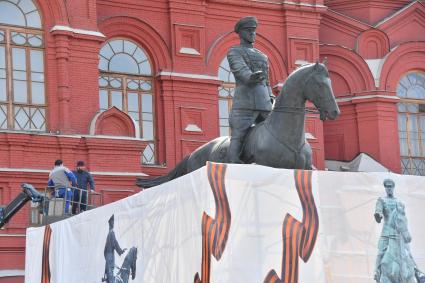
column 71, row 185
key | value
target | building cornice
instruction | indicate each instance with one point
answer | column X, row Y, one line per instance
column 11, row 273
column 349, row 4
column 121, row 174
column 396, row 13
column 188, row 76
column 367, row 97
column 77, row 31
column 353, row 22
column 302, row 4
column 57, row 134
column 99, row 173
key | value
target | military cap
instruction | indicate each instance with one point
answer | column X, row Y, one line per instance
column 389, row 183
column 246, row 22
column 111, row 220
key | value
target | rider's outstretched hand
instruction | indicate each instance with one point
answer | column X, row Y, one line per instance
column 123, row 251
column 256, row 77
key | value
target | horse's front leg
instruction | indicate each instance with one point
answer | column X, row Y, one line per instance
column 305, row 157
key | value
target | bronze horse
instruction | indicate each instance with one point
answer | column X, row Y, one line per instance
column 279, row 141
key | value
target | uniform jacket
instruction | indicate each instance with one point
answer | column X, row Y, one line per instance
column 392, row 210
column 244, row 61
column 112, row 245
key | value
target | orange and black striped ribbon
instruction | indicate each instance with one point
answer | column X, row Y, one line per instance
column 45, row 269
column 214, row 231
column 298, row 238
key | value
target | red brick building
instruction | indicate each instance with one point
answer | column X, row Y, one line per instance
column 133, row 86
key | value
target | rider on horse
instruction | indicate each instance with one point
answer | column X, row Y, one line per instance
column 253, row 95
column 109, row 252
column 394, row 263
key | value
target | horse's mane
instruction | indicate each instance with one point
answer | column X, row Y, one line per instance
column 301, row 71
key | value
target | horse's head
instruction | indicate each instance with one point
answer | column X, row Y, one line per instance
column 318, row 89
column 133, row 254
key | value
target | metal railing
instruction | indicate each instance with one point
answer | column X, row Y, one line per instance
column 60, row 203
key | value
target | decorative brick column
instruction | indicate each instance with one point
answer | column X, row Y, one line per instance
column 63, row 92
column 377, row 129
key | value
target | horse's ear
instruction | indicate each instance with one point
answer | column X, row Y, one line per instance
column 325, row 62
column 316, row 66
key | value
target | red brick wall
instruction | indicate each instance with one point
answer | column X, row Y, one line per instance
column 297, row 30
column 12, row 279
column 391, row 40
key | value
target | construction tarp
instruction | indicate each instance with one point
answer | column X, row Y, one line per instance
column 229, row 223
column 361, row 163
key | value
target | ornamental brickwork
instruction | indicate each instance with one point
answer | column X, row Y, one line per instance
column 158, row 97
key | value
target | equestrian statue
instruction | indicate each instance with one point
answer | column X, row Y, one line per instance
column 128, row 266
column 394, row 263
column 261, row 132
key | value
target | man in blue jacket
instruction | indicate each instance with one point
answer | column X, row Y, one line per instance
column 61, row 178
column 84, row 178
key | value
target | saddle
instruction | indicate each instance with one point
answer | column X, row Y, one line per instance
column 222, row 148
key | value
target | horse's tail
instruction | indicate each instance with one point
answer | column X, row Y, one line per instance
column 179, row 170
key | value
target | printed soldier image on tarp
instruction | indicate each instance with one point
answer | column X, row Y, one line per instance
column 394, row 262
column 129, row 264
column 230, row 223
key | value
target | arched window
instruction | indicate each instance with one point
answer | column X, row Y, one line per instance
column 411, row 123
column 126, row 82
column 22, row 94
column 225, row 96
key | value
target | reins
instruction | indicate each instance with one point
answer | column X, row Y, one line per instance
column 294, row 109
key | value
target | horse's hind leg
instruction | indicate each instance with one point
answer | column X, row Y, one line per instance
column 305, row 155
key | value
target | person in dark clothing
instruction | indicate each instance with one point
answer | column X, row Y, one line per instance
column 84, row 178
column 109, row 252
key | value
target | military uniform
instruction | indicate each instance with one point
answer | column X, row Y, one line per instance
column 252, row 101
column 388, row 208
column 395, row 228
column 109, row 252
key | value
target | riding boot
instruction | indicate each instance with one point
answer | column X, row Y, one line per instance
column 420, row 276
column 234, row 151
column 377, row 274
